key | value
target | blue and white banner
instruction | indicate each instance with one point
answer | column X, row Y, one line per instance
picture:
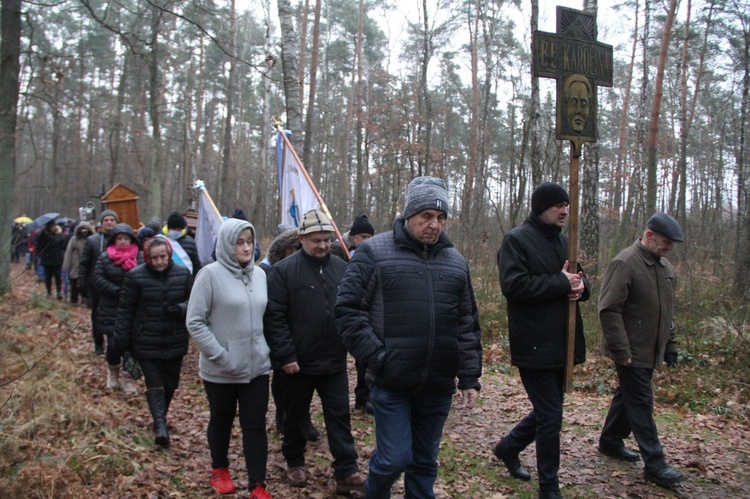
column 297, row 196
column 208, row 224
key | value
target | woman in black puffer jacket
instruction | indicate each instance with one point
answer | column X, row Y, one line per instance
column 122, row 254
column 151, row 325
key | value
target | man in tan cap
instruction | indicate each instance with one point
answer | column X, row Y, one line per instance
column 301, row 334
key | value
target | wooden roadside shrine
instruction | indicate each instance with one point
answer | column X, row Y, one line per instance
column 123, row 201
column 580, row 64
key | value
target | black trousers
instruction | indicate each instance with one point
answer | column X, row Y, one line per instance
column 162, row 373
column 333, row 390
column 50, row 272
column 542, row 425
column 632, row 410
column 73, row 289
column 252, row 399
column 96, row 330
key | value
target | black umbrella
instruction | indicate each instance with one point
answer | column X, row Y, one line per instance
column 43, row 220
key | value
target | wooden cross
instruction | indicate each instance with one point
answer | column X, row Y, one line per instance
column 579, row 64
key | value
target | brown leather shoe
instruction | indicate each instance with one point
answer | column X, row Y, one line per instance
column 297, row 476
column 355, row 481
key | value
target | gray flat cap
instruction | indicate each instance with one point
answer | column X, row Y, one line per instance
column 667, row 226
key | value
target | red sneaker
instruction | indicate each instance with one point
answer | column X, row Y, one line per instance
column 259, row 492
column 221, row 481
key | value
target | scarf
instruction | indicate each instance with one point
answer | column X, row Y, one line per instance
column 124, row 256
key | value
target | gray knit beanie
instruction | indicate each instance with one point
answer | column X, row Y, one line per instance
column 108, row 213
column 426, row 193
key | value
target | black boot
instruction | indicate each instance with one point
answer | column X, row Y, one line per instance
column 157, row 403
column 168, row 396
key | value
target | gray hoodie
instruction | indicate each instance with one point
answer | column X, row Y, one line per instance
column 225, row 313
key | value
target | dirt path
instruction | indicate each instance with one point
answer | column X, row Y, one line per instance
column 63, row 434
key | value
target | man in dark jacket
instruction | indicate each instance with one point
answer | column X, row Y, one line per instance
column 95, row 244
column 300, row 332
column 360, row 231
column 185, row 252
column 636, row 311
column 406, row 310
column 536, row 282
column 50, row 246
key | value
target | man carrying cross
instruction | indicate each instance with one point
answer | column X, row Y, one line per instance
column 538, row 286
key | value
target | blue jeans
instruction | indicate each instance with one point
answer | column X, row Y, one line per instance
column 408, row 429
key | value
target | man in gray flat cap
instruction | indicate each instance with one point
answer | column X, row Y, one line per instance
column 636, row 311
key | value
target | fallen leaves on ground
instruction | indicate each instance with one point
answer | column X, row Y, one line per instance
column 63, row 434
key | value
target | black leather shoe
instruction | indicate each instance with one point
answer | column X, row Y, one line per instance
column 550, row 494
column 622, row 454
column 513, row 465
column 665, row 477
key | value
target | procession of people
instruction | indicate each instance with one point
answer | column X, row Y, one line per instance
column 399, row 301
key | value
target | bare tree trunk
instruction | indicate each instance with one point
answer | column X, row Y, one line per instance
column 267, row 171
column 303, row 51
column 742, row 256
column 10, row 67
column 633, row 214
column 653, row 133
column 223, row 192
column 289, row 60
column 424, row 94
column 536, row 133
column 200, row 171
column 468, row 194
column 359, row 185
column 310, row 115
column 155, row 167
column 589, row 231
column 622, row 142
column 115, row 135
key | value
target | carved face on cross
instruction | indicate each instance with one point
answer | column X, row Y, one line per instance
column 577, row 101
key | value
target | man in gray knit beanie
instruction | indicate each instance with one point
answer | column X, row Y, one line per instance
column 406, row 310
column 426, row 193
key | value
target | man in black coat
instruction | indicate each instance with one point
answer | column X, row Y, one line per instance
column 538, row 286
column 299, row 329
column 406, row 310
column 95, row 244
column 177, row 232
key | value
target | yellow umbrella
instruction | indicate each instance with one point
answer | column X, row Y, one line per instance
column 23, row 220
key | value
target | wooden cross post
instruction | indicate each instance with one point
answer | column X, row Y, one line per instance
column 579, row 64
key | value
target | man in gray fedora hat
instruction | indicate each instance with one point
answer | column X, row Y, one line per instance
column 636, row 311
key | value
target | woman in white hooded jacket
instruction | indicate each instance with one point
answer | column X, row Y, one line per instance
column 225, row 318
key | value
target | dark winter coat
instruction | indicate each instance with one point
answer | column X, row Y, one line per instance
column 407, row 311
column 95, row 245
column 636, row 308
column 298, row 324
column 74, row 249
column 108, row 280
column 50, row 248
column 530, row 261
column 190, row 247
column 280, row 248
column 143, row 325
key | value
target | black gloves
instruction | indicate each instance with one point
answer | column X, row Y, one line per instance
column 671, row 359
column 174, row 312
